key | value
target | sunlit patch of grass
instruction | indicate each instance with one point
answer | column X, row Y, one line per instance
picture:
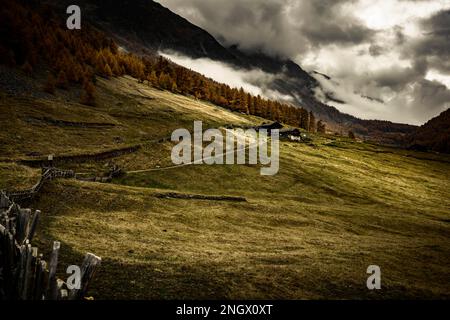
column 311, row 231
column 17, row 177
column 308, row 232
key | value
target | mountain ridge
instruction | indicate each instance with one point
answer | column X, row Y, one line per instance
column 426, row 139
column 145, row 26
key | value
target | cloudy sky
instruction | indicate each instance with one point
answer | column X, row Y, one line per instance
column 397, row 52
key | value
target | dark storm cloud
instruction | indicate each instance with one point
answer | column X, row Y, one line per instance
column 432, row 94
column 376, row 50
column 397, row 78
column 371, row 48
column 281, row 27
column 428, row 99
column 332, row 33
column 434, row 46
column 400, row 37
column 325, row 24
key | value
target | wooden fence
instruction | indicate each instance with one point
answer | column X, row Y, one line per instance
column 63, row 159
column 114, row 172
column 47, row 174
column 24, row 274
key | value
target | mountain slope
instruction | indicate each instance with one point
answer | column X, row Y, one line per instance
column 335, row 207
column 147, row 26
column 434, row 135
column 144, row 25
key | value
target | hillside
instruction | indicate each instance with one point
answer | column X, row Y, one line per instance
column 434, row 135
column 71, row 59
column 335, row 207
column 146, row 26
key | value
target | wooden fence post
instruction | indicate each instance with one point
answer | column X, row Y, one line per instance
column 41, row 279
column 62, row 293
column 90, row 264
column 4, row 201
column 23, row 272
column 23, row 225
column 9, row 255
column 52, row 291
column 33, row 226
column 29, row 272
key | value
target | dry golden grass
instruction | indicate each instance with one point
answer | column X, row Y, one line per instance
column 17, row 177
column 309, row 232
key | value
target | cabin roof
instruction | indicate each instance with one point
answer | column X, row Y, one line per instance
column 274, row 125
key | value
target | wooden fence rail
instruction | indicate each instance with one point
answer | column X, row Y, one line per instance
column 50, row 173
column 24, row 274
column 47, row 174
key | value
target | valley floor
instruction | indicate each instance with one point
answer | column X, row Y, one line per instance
column 335, row 207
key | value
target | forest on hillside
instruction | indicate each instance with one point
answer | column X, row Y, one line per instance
column 77, row 58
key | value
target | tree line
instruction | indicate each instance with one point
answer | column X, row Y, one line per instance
column 77, row 57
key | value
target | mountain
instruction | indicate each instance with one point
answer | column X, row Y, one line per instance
column 147, row 26
column 144, row 26
column 171, row 232
column 433, row 135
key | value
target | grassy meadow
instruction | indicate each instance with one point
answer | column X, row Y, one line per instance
column 335, row 207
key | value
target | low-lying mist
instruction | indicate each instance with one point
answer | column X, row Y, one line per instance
column 254, row 81
column 416, row 104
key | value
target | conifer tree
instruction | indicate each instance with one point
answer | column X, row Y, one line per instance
column 312, row 122
column 152, row 79
column 321, row 127
column 27, row 68
column 174, row 87
column 61, row 80
column 88, row 96
column 304, row 119
column 250, row 104
column 107, row 71
column 50, row 85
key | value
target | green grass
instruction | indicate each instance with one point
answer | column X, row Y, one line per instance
column 310, row 231
column 17, row 177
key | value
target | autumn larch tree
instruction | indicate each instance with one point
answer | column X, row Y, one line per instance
column 304, row 119
column 88, row 96
column 312, row 122
column 321, row 127
column 50, row 85
column 61, row 81
column 27, row 68
column 107, row 71
column 79, row 57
